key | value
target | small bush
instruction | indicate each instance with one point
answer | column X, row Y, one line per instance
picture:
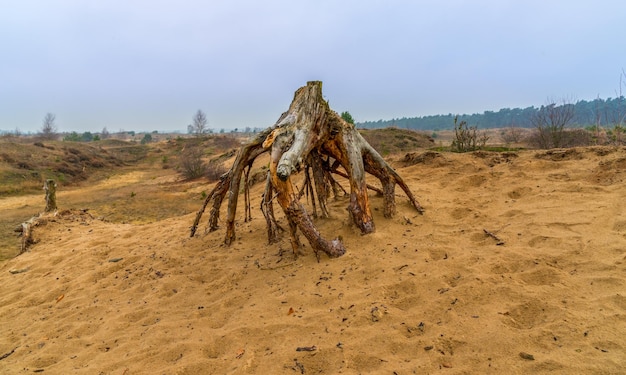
column 617, row 135
column 147, row 138
column 467, row 138
column 191, row 163
column 512, row 135
column 542, row 138
column 215, row 170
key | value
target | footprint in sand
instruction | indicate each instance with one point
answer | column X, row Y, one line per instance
column 519, row 192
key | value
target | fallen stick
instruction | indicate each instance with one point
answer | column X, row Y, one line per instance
column 7, row 354
column 500, row 241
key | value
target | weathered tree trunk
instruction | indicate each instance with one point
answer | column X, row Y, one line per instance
column 302, row 136
column 51, row 195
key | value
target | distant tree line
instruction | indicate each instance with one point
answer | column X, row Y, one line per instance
column 598, row 112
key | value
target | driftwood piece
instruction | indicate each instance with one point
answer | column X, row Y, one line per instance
column 308, row 136
column 26, row 228
column 26, row 232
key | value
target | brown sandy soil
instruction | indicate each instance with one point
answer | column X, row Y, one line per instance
column 431, row 294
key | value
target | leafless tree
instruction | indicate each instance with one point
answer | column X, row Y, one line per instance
column 199, row 126
column 105, row 133
column 551, row 122
column 49, row 128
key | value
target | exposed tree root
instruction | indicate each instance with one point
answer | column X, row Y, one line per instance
column 309, row 136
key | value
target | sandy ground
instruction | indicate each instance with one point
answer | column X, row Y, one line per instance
column 431, row 294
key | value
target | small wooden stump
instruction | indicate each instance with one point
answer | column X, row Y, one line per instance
column 51, row 195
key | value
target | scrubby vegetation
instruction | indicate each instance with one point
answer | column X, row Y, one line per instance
column 467, row 138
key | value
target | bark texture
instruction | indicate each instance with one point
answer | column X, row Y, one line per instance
column 309, row 136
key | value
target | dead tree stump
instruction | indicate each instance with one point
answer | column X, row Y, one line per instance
column 308, row 135
column 51, row 195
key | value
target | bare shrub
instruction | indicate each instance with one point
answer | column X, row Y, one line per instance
column 617, row 135
column 215, row 170
column 511, row 135
column 192, row 164
column 577, row 138
column 223, row 142
column 550, row 123
column 567, row 138
column 467, row 138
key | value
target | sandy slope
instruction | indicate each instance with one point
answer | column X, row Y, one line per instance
column 424, row 294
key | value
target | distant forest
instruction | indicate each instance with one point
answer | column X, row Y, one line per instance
column 601, row 112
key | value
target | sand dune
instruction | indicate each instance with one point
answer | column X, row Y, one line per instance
column 422, row 295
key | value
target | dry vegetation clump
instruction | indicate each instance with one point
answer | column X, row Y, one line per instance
column 564, row 138
column 192, row 164
column 215, row 169
column 467, row 138
column 512, row 135
column 193, row 153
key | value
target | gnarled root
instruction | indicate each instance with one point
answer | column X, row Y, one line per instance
column 303, row 137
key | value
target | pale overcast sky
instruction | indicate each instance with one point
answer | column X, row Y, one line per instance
column 150, row 65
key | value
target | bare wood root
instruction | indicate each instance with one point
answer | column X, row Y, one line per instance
column 296, row 245
column 245, row 156
column 246, row 190
column 377, row 166
column 301, row 138
column 267, row 208
column 322, row 184
column 371, row 187
column 218, row 198
column 216, row 195
column 299, row 217
column 335, row 186
column 307, row 189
